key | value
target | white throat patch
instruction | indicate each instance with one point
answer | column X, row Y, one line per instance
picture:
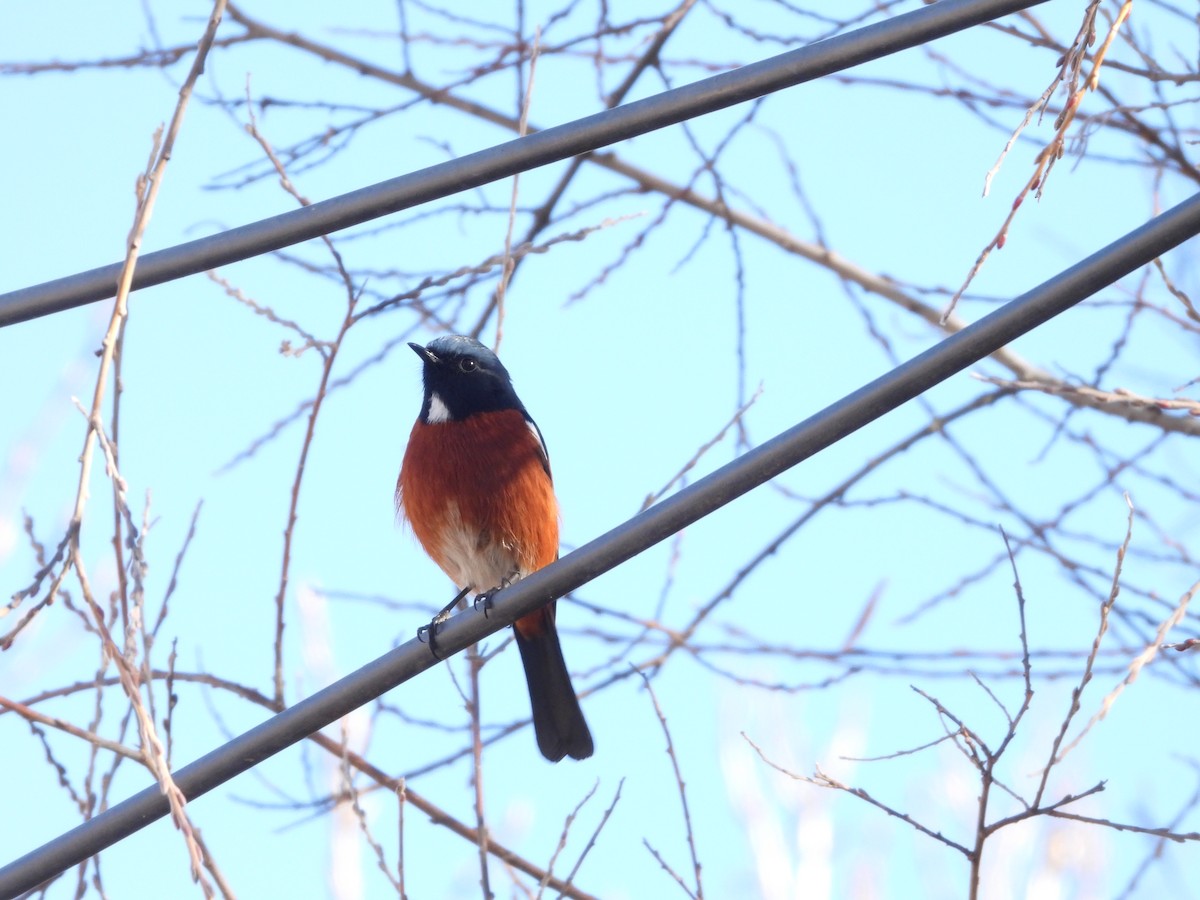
column 438, row 411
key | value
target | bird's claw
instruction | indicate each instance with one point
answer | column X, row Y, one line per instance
column 427, row 634
column 484, row 601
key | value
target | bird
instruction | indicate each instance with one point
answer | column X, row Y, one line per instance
column 476, row 490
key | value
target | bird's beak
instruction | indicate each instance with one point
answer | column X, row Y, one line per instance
column 423, row 352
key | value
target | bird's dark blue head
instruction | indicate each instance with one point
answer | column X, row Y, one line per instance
column 463, row 377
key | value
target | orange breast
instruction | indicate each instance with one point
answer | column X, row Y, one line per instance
column 479, row 499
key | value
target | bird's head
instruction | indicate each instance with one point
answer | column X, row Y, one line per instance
column 463, row 377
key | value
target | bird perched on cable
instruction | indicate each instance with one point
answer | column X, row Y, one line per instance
column 475, row 487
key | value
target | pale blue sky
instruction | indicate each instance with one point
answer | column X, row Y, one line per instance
column 625, row 384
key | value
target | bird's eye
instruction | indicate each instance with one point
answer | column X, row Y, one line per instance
column 467, row 365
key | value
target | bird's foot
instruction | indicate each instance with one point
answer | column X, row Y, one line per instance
column 484, row 601
column 427, row 634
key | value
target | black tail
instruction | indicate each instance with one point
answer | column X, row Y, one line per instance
column 557, row 719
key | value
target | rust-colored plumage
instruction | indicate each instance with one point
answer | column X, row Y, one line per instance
column 478, row 495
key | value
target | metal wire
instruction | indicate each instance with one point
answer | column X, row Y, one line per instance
column 520, row 155
column 752, row 469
